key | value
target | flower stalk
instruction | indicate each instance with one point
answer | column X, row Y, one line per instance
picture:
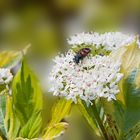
column 99, row 122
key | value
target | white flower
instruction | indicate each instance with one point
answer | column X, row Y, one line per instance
column 5, row 76
column 92, row 78
column 110, row 40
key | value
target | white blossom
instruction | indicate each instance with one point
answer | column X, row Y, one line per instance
column 92, row 78
column 110, row 40
column 5, row 76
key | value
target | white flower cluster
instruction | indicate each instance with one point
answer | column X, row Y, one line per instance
column 92, row 78
column 110, row 40
column 5, row 76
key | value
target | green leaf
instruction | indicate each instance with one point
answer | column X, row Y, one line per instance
column 129, row 95
column 87, row 112
column 3, row 129
column 129, row 57
column 11, row 122
column 11, row 58
column 128, row 117
column 127, row 113
column 133, row 132
column 32, row 127
column 55, row 131
column 132, row 101
column 118, row 114
column 60, row 110
column 27, row 100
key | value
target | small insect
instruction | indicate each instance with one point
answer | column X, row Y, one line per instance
column 81, row 54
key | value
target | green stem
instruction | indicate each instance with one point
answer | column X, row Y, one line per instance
column 99, row 122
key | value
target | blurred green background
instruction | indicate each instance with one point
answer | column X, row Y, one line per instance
column 46, row 24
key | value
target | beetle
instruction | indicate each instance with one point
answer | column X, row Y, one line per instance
column 81, row 54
